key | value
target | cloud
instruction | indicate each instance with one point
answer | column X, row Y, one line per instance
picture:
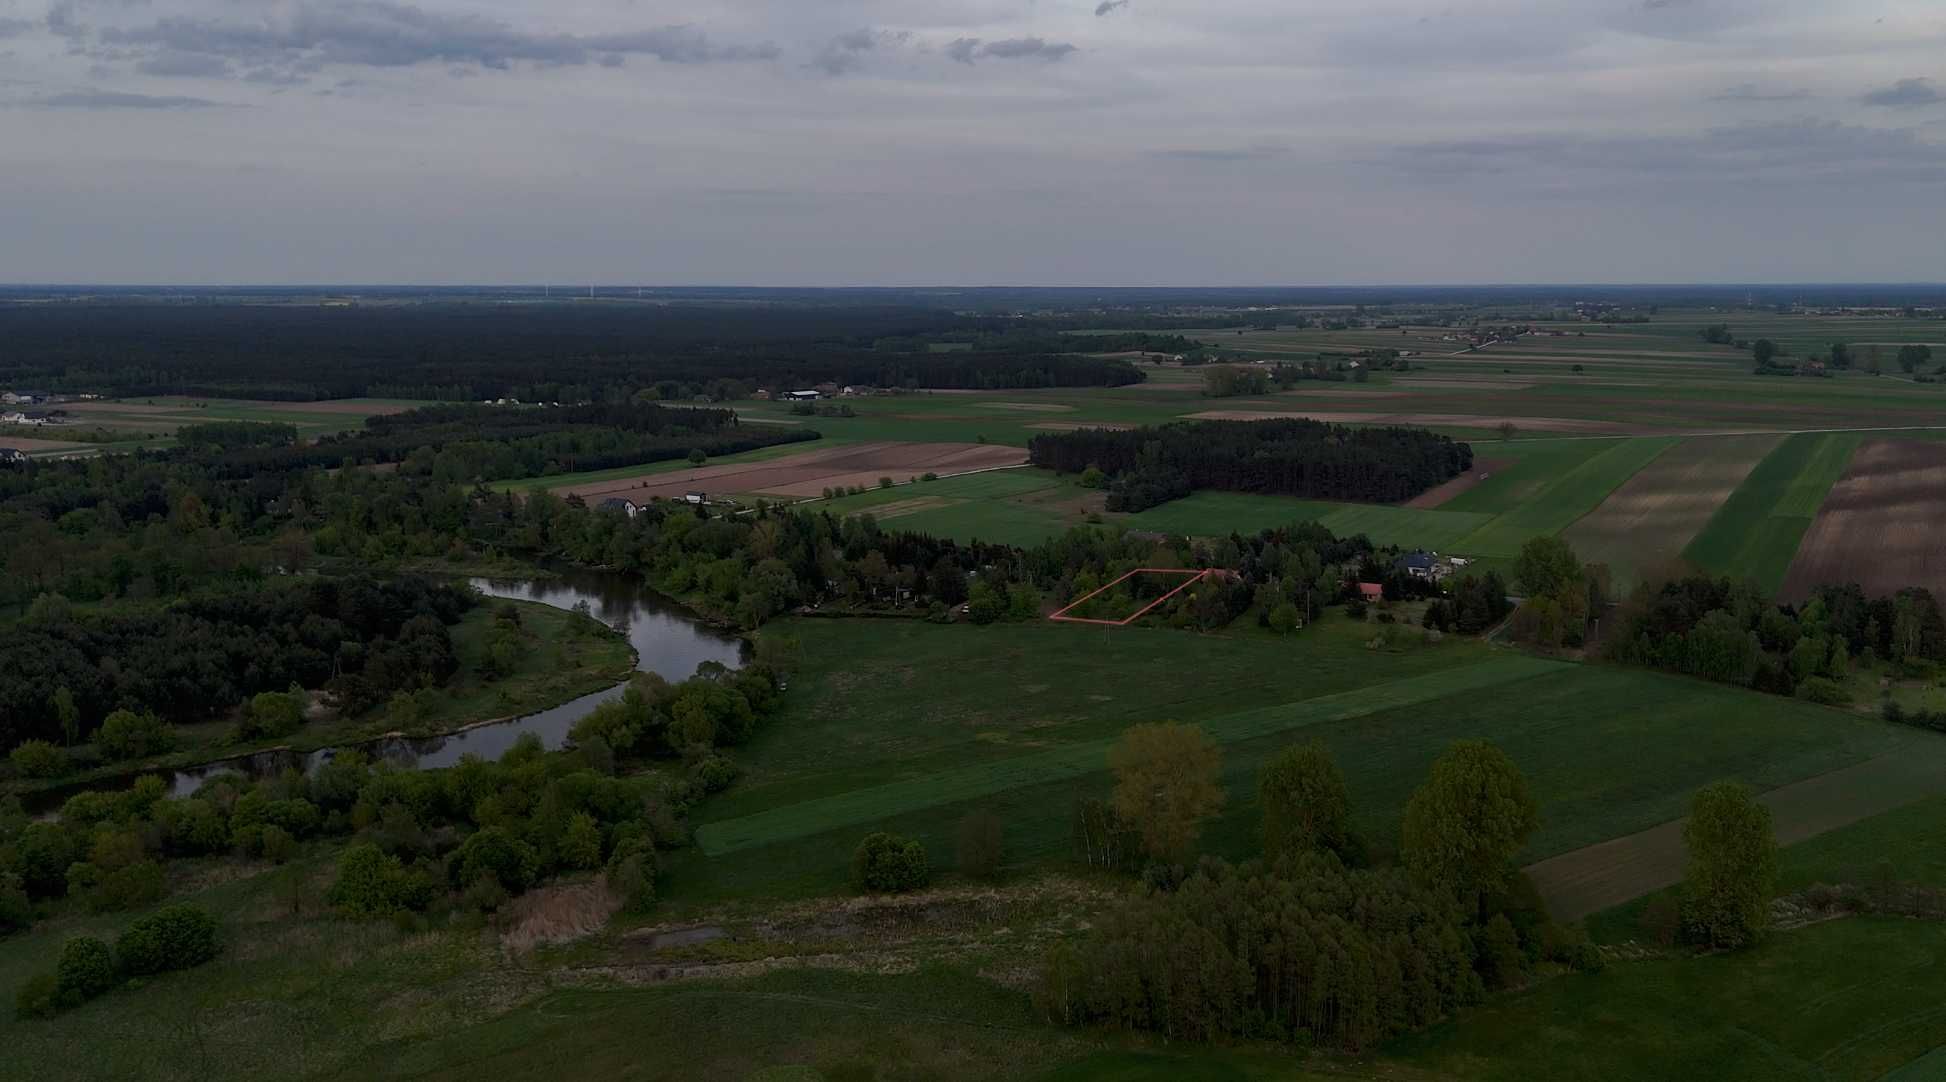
column 1797, row 151
column 1659, row 5
column 1257, row 153
column 185, row 65
column 1753, row 92
column 1906, row 92
column 845, row 53
column 10, row 28
column 1107, row 6
column 111, row 99
column 966, row 50
column 381, row 33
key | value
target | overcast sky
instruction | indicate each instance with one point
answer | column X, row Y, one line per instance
column 1052, row 142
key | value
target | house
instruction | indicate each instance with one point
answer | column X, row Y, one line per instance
column 800, row 396
column 24, row 398
column 12, row 456
column 695, row 498
column 1420, row 565
column 827, row 389
column 1371, row 591
column 760, row 395
column 616, row 503
column 13, row 417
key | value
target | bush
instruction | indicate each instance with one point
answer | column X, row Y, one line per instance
column 581, row 842
column 496, row 854
column 631, row 874
column 981, row 847
column 371, row 884
column 16, row 909
column 713, row 773
column 86, row 970
column 38, row 998
column 1822, row 690
column 125, row 734
column 276, row 844
column 271, row 714
column 888, row 864
column 130, row 887
column 39, row 759
column 175, row 937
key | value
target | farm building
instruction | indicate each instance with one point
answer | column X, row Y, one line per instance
column 617, row 503
column 800, row 396
column 695, row 497
column 12, row 456
column 1420, row 565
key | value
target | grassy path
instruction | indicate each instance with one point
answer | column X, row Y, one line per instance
column 1075, row 760
column 1596, row 877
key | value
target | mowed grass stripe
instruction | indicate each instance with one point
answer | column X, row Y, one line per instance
column 1572, row 495
column 1074, row 760
column 1755, row 534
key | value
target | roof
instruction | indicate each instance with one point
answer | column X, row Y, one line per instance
column 1416, row 559
column 1371, row 589
column 616, row 501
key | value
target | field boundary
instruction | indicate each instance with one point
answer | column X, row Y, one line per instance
column 1584, row 881
column 1194, row 578
column 1076, row 760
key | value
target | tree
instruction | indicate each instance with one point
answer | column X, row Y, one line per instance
column 1911, row 357
column 1305, row 806
column 86, row 969
column 697, row 456
column 126, row 734
column 1166, row 784
column 1762, row 350
column 174, row 937
column 1464, row 825
column 68, row 714
column 1507, row 429
column 1547, row 567
column 1092, row 477
column 1840, row 355
column 38, row 759
column 888, row 864
column 1732, row 869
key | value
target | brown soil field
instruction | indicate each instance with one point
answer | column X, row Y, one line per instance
column 34, row 446
column 121, row 407
column 1446, row 420
column 901, row 508
column 1482, row 469
column 1069, row 426
column 1879, row 525
column 1596, row 877
column 1648, row 521
column 810, row 473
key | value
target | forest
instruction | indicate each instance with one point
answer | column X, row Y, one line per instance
column 1295, row 457
column 477, row 442
column 468, row 352
column 208, row 651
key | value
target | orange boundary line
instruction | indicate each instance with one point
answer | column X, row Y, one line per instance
column 1194, row 577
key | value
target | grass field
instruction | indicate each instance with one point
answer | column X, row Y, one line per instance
column 890, row 733
column 1845, row 1000
column 1556, row 504
column 1651, row 517
column 1755, row 533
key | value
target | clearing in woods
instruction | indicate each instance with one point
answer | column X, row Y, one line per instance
column 1755, row 534
column 1879, row 525
column 1646, row 522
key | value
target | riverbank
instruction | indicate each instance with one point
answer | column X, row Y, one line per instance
column 562, row 656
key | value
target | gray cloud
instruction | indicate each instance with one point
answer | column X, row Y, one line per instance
column 1906, row 92
column 110, row 99
column 186, row 65
column 1107, row 6
column 1658, row 5
column 846, row 52
column 1262, row 152
column 967, row 50
column 1804, row 151
column 381, row 33
column 10, row 28
column 1753, row 92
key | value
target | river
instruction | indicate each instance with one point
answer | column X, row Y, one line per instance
column 668, row 639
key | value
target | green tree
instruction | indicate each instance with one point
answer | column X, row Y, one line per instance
column 67, row 713
column 1732, row 869
column 125, row 734
column 1464, row 825
column 1762, row 350
column 581, row 842
column 85, row 970
column 1305, row 805
column 38, row 759
column 1092, row 477
column 1548, row 567
column 174, row 937
column 1167, row 783
column 1913, row 357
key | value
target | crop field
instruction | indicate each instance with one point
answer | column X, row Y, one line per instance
column 1646, row 523
column 1558, row 502
column 895, row 736
column 1880, row 524
column 806, row 473
column 1755, row 534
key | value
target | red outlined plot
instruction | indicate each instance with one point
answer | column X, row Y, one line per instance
column 1190, row 578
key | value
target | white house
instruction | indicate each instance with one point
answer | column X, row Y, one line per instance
column 800, row 396
column 617, row 503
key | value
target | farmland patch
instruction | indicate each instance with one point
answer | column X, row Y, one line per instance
column 1648, row 520
column 1879, row 525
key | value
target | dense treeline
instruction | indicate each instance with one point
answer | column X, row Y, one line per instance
column 362, row 638
column 470, row 352
column 1729, row 632
column 1288, row 457
column 477, row 442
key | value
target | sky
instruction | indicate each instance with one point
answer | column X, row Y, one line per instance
column 970, row 142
